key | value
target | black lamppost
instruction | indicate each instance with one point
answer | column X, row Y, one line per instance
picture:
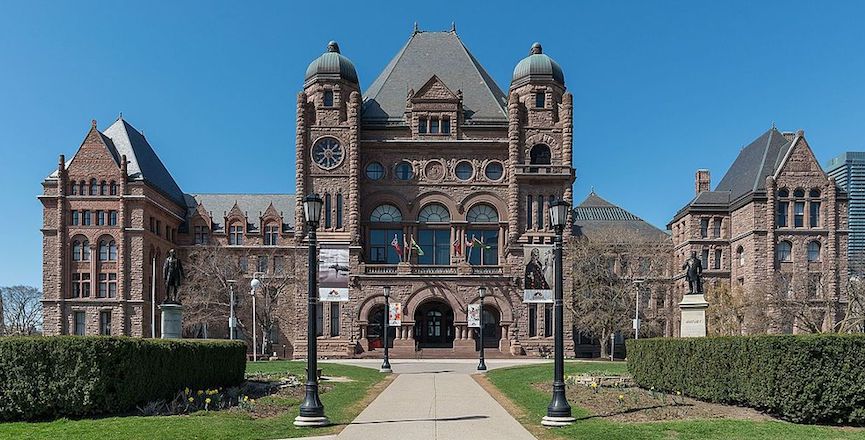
column 482, row 291
column 559, row 411
column 311, row 410
column 385, row 365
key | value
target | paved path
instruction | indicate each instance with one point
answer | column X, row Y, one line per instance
column 435, row 399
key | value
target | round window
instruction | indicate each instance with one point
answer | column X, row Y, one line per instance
column 494, row 171
column 327, row 153
column 464, row 170
column 374, row 171
column 404, row 171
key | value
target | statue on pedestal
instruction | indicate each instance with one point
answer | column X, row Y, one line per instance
column 172, row 273
column 693, row 274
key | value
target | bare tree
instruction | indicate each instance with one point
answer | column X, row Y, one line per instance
column 604, row 268
column 21, row 310
column 727, row 311
column 206, row 292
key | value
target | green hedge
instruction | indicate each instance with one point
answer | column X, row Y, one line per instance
column 74, row 376
column 802, row 378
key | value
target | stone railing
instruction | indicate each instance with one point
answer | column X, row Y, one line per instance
column 487, row 270
column 380, row 269
column 434, row 270
column 554, row 170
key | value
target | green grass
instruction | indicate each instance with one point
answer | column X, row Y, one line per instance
column 516, row 384
column 341, row 406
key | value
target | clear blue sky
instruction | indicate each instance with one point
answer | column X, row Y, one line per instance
column 660, row 88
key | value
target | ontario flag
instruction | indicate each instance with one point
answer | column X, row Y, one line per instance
column 396, row 246
column 481, row 242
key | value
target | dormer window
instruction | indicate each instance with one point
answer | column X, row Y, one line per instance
column 540, row 99
column 328, row 98
column 434, row 125
column 421, row 125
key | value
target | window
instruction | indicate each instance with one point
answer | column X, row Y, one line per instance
column 548, row 320
column 784, row 251
column 107, row 250
column 271, row 235
column 540, row 99
column 374, row 171
column 815, row 285
column 201, row 235
column 530, row 208
column 279, row 265
column 813, row 251
column 533, row 320
column 385, row 214
column 482, row 213
column 94, row 187
column 76, row 250
column 435, row 244
column 799, row 193
column 328, row 222
column 100, row 218
column 261, row 264
column 103, row 188
column 235, row 235
column 81, row 285
column 799, row 214
column 540, row 212
column 704, row 227
column 339, row 210
column 434, row 213
column 74, row 219
column 112, row 285
column 716, row 228
column 404, row 171
column 159, row 227
column 484, row 249
column 814, row 194
column 328, row 98
column 421, row 125
column 113, row 188
column 783, row 193
column 446, row 125
column 494, row 170
column 380, row 249
column 152, row 225
column 334, row 319
column 107, row 285
column 319, row 319
column 82, row 188
column 112, row 218
column 73, row 189
column 105, row 323
column 704, row 258
column 79, row 323
column 814, row 217
column 540, row 155
column 740, row 255
column 782, row 214
column 464, row 170
column 717, row 264
column 434, row 125
column 243, row 262
column 660, row 296
column 85, row 218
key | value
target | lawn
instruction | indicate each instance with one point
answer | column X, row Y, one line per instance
column 517, row 384
column 342, row 403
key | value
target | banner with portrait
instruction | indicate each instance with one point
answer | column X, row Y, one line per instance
column 333, row 274
column 394, row 315
column 538, row 274
column 474, row 315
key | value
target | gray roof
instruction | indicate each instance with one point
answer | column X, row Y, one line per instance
column 761, row 158
column 424, row 55
column 331, row 64
column 253, row 205
column 143, row 163
column 596, row 215
column 537, row 66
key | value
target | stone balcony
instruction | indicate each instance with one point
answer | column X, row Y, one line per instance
column 429, row 270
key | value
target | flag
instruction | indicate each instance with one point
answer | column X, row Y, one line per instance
column 457, row 247
column 406, row 247
column 416, row 247
column 395, row 245
column 481, row 242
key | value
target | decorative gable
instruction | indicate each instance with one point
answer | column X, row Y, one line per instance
column 434, row 111
column 799, row 159
column 95, row 157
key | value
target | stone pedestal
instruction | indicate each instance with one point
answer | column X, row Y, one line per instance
column 693, row 319
column 172, row 321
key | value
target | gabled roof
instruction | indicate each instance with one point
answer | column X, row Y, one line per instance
column 424, row 55
column 761, row 158
column 253, row 205
column 596, row 215
column 143, row 164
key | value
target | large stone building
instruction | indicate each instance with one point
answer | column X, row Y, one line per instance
column 432, row 151
column 775, row 223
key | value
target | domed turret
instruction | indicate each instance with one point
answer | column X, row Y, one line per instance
column 537, row 67
column 332, row 65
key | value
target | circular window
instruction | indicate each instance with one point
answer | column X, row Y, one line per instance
column 494, row 170
column 404, row 171
column 464, row 170
column 327, row 153
column 374, row 171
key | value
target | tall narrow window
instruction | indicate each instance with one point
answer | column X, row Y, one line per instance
column 540, row 99
column 799, row 214
column 73, row 189
column 782, row 214
column 548, row 320
column 784, row 251
column 814, row 218
column 243, row 262
column 261, row 262
column 74, row 218
column 334, row 319
column 201, row 235
column 105, row 323
column 446, row 125
column 79, row 323
column 112, row 218
column 704, row 227
column 717, row 264
column 716, row 228
column 328, row 98
column 319, row 319
column 82, row 188
column 235, row 235
column 433, row 125
column 327, row 206
column 76, row 250
column 540, row 212
column 704, row 258
column 103, row 188
column 102, row 289
column 530, row 208
column 533, row 320
column 278, row 265
column 112, row 285
column 271, row 235
column 338, row 210
column 100, row 217
column 85, row 285
column 85, row 218
column 113, row 188
column 814, row 251
column 94, row 187
column 421, row 125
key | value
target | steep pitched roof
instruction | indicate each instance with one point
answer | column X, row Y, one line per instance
column 253, row 205
column 594, row 215
column 143, row 164
column 755, row 162
column 424, row 55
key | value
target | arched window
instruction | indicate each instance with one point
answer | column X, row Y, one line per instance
column 783, row 193
column 540, row 155
column 76, row 250
column 799, row 192
column 434, row 213
column 94, row 187
column 327, row 207
column 482, row 237
column 814, row 194
column 385, row 214
column 107, row 250
column 103, row 188
column 784, row 251
column 113, row 188
column 82, row 188
column 73, row 189
column 482, row 213
column 814, row 251
column 404, row 171
column 374, row 171
column 740, row 255
column 328, row 98
column 339, row 210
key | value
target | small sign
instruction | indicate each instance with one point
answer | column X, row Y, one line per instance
column 333, row 274
column 474, row 316
column 636, row 324
column 538, row 279
column 394, row 315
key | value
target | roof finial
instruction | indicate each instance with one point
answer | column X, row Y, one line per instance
column 453, row 27
column 121, row 116
column 773, row 125
column 93, row 123
column 415, row 28
column 536, row 49
column 593, row 189
column 332, row 46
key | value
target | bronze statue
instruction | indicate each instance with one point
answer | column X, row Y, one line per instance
column 693, row 273
column 172, row 273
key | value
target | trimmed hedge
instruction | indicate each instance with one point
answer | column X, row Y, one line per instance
column 75, row 376
column 802, row 378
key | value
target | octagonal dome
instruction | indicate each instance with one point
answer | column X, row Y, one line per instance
column 332, row 65
column 537, row 66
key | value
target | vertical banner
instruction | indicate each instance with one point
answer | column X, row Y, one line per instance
column 474, row 316
column 538, row 278
column 333, row 274
column 394, row 315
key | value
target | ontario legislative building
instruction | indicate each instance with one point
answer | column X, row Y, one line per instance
column 434, row 182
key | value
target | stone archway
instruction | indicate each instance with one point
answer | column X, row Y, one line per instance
column 492, row 328
column 434, row 325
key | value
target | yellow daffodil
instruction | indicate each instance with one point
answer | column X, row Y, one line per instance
column 207, row 400
column 621, row 397
column 200, row 392
column 678, row 393
column 191, row 400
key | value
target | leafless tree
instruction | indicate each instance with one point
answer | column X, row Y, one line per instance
column 21, row 310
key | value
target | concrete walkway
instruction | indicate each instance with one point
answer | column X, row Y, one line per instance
column 435, row 399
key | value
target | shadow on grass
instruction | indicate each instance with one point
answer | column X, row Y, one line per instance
column 628, row 411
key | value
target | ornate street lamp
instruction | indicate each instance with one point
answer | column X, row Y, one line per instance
column 559, row 411
column 253, row 286
column 232, row 320
column 385, row 326
column 482, row 291
column 311, row 410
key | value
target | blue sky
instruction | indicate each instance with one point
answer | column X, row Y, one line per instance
column 660, row 88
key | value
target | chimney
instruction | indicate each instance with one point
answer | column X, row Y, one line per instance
column 703, row 181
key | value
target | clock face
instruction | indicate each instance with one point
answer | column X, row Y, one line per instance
column 327, row 153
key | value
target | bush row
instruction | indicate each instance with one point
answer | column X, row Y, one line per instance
column 74, row 376
column 802, row 378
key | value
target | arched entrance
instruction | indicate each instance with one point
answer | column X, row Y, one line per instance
column 434, row 325
column 373, row 329
column 492, row 329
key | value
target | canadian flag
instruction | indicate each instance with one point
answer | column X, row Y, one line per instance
column 396, row 246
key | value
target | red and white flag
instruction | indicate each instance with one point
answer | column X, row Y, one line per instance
column 396, row 246
column 458, row 248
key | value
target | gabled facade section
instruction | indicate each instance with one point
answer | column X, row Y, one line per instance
column 434, row 111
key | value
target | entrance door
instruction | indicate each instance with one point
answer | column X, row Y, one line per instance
column 492, row 330
column 374, row 328
column 434, row 325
